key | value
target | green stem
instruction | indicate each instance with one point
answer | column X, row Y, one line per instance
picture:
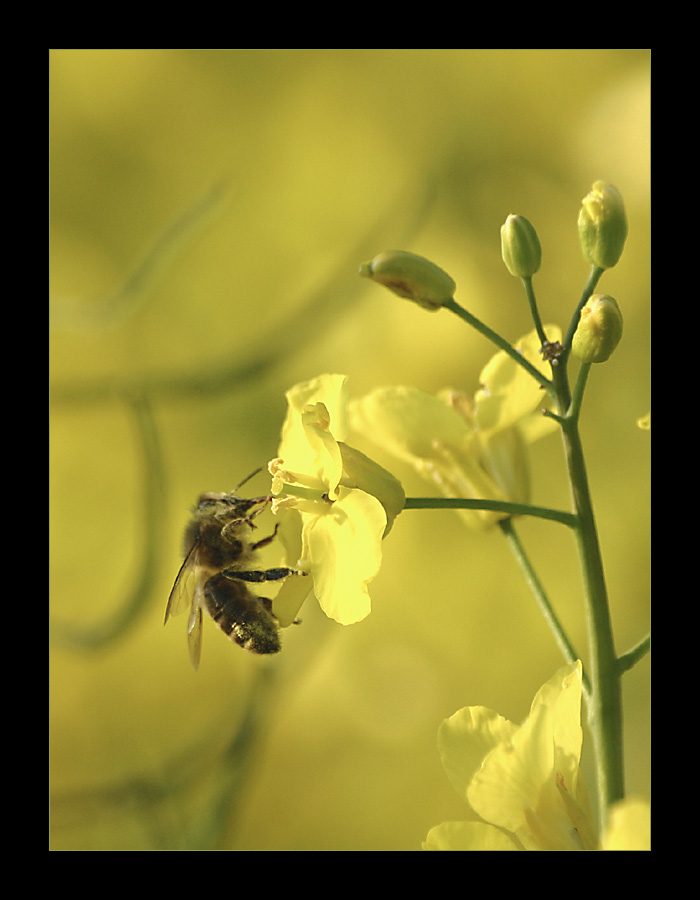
column 540, row 595
column 632, row 657
column 534, row 312
column 605, row 707
column 604, row 670
column 501, row 343
column 606, row 711
column 577, row 396
column 605, row 696
column 511, row 509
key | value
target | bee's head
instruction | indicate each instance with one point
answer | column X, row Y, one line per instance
column 211, row 498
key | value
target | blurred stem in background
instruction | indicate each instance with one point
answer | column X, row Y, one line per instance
column 73, row 636
column 192, row 802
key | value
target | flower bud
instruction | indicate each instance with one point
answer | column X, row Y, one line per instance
column 411, row 276
column 602, row 225
column 520, row 247
column 599, row 329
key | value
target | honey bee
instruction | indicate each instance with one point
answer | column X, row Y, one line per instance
column 217, row 571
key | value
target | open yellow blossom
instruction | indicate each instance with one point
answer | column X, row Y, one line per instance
column 473, row 448
column 522, row 783
column 334, row 505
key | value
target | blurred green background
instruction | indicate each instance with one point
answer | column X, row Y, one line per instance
column 209, row 210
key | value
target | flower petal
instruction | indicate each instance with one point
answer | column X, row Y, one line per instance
column 466, row 738
column 344, row 551
column 359, row 471
column 530, row 785
column 408, row 422
column 468, row 836
column 325, row 459
column 296, row 589
column 331, row 390
column 435, row 437
column 505, row 456
column 513, row 775
column 290, row 599
column 564, row 701
column 508, row 392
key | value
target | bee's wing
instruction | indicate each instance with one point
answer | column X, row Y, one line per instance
column 194, row 630
column 181, row 595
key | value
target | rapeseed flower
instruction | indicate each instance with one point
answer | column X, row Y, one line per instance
column 522, row 783
column 468, row 447
column 334, row 505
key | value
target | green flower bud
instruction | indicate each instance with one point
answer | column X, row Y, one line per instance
column 602, row 225
column 599, row 329
column 411, row 276
column 520, row 247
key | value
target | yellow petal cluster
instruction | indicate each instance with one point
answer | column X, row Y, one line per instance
column 522, row 784
column 334, row 505
column 467, row 447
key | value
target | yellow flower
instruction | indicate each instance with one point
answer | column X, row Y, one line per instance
column 522, row 783
column 334, row 505
column 468, row 448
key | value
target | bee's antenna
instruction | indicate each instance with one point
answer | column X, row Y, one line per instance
column 247, row 478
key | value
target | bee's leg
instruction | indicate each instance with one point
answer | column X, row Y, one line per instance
column 265, row 541
column 261, row 503
column 235, row 524
column 258, row 575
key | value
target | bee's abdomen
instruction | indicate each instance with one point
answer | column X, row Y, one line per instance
column 241, row 615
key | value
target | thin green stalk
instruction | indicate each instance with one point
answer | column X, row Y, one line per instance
column 580, row 386
column 512, row 509
column 500, row 342
column 534, row 312
column 540, row 595
column 629, row 659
